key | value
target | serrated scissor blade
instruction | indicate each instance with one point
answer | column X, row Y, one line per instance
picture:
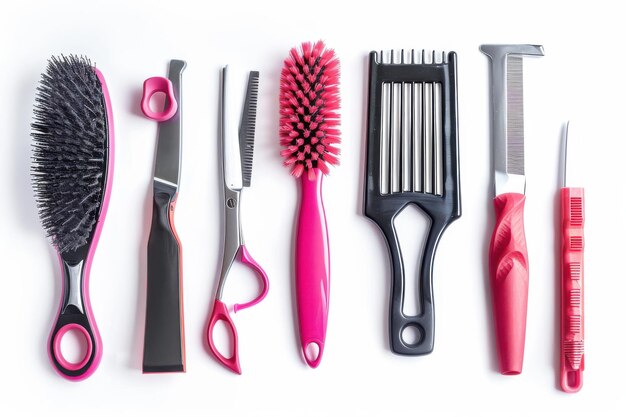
column 247, row 127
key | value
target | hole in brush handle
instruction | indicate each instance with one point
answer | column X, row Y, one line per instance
column 80, row 325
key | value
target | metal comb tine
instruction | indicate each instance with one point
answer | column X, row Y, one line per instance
column 417, row 136
column 412, row 56
column 438, row 139
column 437, row 57
column 396, row 103
column 407, row 100
column 384, row 137
column 402, row 56
column 427, row 133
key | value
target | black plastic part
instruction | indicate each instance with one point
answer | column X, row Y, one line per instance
column 163, row 340
column 442, row 210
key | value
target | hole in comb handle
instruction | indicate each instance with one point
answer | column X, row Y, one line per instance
column 412, row 226
column 411, row 335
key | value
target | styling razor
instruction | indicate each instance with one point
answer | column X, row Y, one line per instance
column 164, row 339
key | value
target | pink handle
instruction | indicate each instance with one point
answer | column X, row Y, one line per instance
column 220, row 312
column 508, row 267
column 312, row 268
column 249, row 261
column 572, row 302
column 158, row 85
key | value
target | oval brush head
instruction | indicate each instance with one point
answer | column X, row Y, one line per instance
column 70, row 151
column 309, row 100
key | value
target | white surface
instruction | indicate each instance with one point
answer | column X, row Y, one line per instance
column 581, row 77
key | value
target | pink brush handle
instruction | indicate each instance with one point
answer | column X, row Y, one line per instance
column 508, row 267
column 312, row 268
column 572, row 304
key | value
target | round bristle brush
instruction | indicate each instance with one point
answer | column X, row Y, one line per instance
column 72, row 169
column 309, row 134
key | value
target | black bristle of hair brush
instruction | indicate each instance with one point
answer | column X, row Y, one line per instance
column 72, row 168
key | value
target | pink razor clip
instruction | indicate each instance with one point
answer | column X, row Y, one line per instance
column 158, row 85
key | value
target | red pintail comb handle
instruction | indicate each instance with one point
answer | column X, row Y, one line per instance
column 508, row 267
column 572, row 306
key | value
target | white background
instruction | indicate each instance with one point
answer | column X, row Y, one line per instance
column 581, row 78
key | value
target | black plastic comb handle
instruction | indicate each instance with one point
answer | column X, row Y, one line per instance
column 164, row 338
column 424, row 323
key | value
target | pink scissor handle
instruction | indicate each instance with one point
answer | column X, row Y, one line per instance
column 158, row 85
column 220, row 312
column 246, row 259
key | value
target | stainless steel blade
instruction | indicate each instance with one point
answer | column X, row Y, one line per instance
column 232, row 95
column 573, row 158
column 169, row 142
column 507, row 114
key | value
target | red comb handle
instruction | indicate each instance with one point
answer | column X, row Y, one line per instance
column 508, row 268
column 572, row 272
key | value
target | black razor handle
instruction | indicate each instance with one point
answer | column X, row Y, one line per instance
column 422, row 324
column 164, row 349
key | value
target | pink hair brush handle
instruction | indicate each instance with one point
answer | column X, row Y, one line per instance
column 312, row 267
column 508, row 264
column 154, row 85
column 572, row 301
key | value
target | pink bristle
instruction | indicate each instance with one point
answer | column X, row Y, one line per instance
column 309, row 104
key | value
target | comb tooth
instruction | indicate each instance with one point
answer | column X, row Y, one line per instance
column 248, row 126
column 427, row 58
column 407, row 113
column 396, row 102
column 412, row 56
column 427, row 132
column 402, row 56
column 384, row 138
column 515, row 115
column 417, row 136
column 438, row 139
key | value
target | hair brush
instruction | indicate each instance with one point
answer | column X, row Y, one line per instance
column 72, row 169
column 309, row 134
